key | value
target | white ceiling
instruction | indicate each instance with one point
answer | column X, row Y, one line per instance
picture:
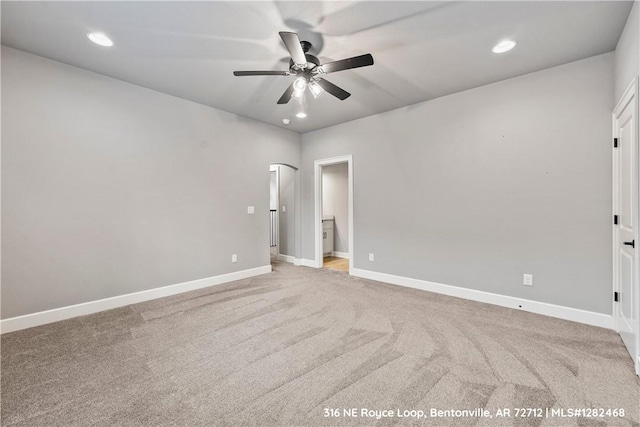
column 422, row 50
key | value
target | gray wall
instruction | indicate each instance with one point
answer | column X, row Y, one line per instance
column 335, row 201
column 627, row 54
column 109, row 188
column 286, row 241
column 477, row 188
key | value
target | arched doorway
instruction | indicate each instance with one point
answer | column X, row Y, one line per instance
column 283, row 212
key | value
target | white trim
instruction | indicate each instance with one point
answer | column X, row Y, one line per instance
column 318, row 164
column 304, row 262
column 286, row 258
column 629, row 92
column 340, row 254
column 558, row 311
column 276, row 169
column 296, row 261
column 49, row 316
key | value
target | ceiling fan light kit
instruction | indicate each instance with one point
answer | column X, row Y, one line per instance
column 315, row 88
column 297, row 95
column 308, row 70
column 299, row 85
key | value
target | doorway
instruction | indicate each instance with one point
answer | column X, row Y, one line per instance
column 273, row 212
column 334, row 213
column 626, row 286
column 282, row 212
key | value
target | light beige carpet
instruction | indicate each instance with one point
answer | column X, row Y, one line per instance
column 280, row 348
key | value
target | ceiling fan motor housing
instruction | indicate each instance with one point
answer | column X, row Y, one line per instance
column 306, row 46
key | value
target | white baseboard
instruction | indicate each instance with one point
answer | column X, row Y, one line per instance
column 286, row 258
column 49, row 316
column 296, row 261
column 558, row 311
column 340, row 254
column 304, row 262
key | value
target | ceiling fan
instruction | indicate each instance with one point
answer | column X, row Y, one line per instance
column 309, row 71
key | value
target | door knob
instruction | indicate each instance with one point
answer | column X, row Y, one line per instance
column 631, row 243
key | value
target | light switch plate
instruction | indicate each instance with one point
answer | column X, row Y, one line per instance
column 251, row 210
column 284, row 209
column 371, row 257
column 234, row 258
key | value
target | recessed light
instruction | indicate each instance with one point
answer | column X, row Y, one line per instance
column 504, row 46
column 286, row 121
column 301, row 115
column 100, row 39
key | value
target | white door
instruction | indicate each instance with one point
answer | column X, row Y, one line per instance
column 625, row 235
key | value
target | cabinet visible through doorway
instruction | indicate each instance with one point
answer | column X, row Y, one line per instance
column 327, row 235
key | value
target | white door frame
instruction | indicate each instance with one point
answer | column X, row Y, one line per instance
column 318, row 164
column 276, row 168
column 630, row 95
column 297, row 217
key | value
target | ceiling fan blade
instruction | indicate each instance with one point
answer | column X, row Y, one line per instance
column 292, row 42
column 334, row 90
column 261, row 73
column 346, row 64
column 286, row 96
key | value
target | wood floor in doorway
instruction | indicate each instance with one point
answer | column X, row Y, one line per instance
column 336, row 263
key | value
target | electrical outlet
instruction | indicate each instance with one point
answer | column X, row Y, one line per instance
column 234, row 258
column 371, row 257
column 251, row 210
column 527, row 279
